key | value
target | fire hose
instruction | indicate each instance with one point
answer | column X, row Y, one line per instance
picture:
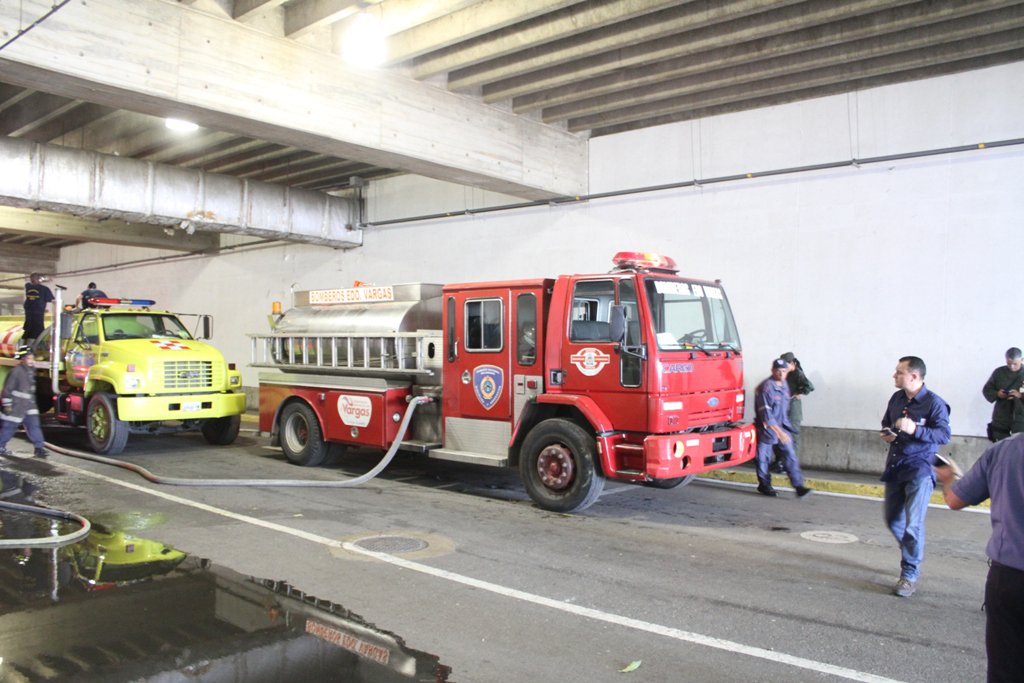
column 306, row 483
column 66, row 539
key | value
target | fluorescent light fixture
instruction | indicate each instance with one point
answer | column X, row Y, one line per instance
column 181, row 125
column 363, row 42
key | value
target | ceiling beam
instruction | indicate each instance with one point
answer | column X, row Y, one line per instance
column 842, row 56
column 164, row 59
column 752, row 54
column 112, row 231
column 474, row 20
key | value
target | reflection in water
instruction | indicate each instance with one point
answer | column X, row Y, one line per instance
column 120, row 608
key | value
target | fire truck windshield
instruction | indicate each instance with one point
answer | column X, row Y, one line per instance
column 130, row 325
column 690, row 315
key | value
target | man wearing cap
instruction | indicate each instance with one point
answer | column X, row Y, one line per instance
column 37, row 296
column 915, row 424
column 771, row 404
column 18, row 400
column 799, row 386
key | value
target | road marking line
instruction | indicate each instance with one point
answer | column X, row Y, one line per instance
column 586, row 612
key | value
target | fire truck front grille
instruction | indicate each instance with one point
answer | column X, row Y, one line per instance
column 189, row 374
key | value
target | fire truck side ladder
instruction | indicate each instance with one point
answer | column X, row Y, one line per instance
column 401, row 353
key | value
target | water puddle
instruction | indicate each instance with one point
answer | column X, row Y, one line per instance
column 118, row 607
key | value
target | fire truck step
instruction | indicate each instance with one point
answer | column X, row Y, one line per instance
column 471, row 457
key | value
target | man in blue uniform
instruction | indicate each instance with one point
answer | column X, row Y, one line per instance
column 915, row 424
column 771, row 404
column 37, row 296
column 999, row 475
column 18, row 401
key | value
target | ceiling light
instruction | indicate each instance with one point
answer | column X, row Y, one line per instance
column 363, row 42
column 181, row 125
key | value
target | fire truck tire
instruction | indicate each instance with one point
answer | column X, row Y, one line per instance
column 222, row 431
column 107, row 434
column 301, row 437
column 670, row 483
column 559, row 467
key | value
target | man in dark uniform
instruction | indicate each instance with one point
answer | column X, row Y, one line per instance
column 18, row 400
column 37, row 296
column 90, row 292
column 771, row 405
column 1003, row 390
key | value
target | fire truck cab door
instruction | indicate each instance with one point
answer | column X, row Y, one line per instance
column 477, row 364
column 595, row 365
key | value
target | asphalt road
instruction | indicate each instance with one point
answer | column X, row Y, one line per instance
column 709, row 582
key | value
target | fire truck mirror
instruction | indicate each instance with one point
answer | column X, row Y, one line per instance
column 617, row 323
column 206, row 324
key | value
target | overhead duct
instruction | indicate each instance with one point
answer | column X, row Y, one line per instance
column 83, row 183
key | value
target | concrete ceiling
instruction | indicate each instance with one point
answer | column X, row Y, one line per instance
column 491, row 93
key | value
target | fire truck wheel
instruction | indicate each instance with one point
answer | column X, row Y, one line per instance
column 222, row 431
column 301, row 438
column 670, row 483
column 559, row 468
column 107, row 434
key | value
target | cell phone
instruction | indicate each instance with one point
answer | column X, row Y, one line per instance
column 889, row 431
column 941, row 461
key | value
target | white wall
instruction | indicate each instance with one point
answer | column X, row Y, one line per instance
column 848, row 268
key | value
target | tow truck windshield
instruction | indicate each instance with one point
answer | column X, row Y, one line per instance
column 143, row 326
column 691, row 315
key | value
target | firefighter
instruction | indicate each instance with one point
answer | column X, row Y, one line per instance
column 18, row 400
column 37, row 296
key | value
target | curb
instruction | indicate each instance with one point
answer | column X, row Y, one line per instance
column 828, row 485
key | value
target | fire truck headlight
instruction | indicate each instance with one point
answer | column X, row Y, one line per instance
column 678, row 449
column 236, row 381
column 132, row 382
column 396, row 417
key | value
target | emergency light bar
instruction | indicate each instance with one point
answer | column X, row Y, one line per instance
column 101, row 301
column 644, row 260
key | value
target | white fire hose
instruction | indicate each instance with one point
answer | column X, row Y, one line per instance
column 305, row 483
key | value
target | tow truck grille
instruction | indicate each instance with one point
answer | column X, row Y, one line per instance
column 188, row 374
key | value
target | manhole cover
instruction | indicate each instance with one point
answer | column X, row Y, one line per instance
column 391, row 544
column 829, row 537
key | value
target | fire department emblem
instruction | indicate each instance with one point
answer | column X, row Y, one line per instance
column 487, row 383
column 590, row 361
column 169, row 345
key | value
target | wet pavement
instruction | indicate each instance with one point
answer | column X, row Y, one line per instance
column 117, row 606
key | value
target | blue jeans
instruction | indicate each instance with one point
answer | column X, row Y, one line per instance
column 10, row 425
column 906, row 503
column 788, row 458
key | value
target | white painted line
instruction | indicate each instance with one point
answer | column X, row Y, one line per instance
column 586, row 612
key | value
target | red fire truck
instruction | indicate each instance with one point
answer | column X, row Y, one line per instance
column 635, row 375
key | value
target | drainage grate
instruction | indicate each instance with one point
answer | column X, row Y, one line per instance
column 391, row 544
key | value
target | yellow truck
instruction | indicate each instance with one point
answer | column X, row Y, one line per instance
column 119, row 367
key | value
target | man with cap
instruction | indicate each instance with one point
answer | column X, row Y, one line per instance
column 37, row 296
column 799, row 386
column 771, row 405
column 18, row 400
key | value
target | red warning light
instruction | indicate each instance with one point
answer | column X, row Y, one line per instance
column 644, row 260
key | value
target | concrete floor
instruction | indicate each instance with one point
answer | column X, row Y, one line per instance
column 710, row 582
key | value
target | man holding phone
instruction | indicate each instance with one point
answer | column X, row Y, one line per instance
column 915, row 424
column 999, row 475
